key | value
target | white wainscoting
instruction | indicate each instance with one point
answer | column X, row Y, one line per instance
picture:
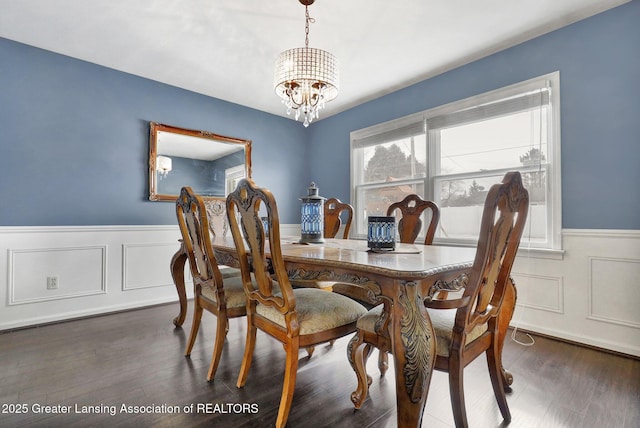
column 589, row 295
column 99, row 269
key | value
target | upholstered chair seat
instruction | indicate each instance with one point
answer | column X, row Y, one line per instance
column 317, row 310
column 233, row 292
column 442, row 321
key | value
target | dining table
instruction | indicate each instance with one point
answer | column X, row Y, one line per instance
column 401, row 278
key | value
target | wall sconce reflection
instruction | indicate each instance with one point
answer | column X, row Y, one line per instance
column 163, row 165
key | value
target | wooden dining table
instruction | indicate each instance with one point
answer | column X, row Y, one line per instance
column 403, row 278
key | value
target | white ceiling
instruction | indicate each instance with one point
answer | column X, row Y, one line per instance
column 227, row 48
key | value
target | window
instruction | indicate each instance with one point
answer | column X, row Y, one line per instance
column 453, row 154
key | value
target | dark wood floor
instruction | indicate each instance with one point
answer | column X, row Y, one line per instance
column 135, row 359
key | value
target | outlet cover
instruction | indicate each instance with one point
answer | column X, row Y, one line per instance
column 52, row 283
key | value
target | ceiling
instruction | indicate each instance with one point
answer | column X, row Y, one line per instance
column 227, row 48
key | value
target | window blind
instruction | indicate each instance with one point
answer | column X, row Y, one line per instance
column 525, row 102
column 406, row 131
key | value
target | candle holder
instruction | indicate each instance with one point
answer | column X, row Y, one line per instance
column 381, row 233
column 312, row 217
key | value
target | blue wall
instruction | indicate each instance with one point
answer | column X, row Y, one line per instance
column 599, row 63
column 74, row 141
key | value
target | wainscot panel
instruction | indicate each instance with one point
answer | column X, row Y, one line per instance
column 38, row 275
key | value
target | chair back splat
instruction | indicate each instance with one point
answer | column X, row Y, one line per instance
column 333, row 208
column 410, row 225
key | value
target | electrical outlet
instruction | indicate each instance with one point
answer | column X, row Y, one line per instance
column 52, row 283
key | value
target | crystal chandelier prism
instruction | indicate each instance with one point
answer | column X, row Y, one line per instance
column 306, row 78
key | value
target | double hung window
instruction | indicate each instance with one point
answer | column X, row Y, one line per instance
column 453, row 154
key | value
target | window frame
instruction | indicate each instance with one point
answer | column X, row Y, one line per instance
column 552, row 165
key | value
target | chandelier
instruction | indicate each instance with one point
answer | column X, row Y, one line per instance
column 306, row 78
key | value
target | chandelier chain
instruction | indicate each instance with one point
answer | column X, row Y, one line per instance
column 306, row 25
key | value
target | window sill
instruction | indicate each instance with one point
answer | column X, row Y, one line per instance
column 523, row 251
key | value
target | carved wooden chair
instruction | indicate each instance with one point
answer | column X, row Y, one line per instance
column 295, row 317
column 476, row 322
column 410, row 224
column 223, row 297
column 333, row 208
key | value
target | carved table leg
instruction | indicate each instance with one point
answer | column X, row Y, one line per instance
column 414, row 350
column 504, row 318
column 177, row 273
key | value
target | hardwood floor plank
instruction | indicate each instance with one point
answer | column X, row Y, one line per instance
column 136, row 358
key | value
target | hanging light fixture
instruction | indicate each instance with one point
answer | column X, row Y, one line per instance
column 306, row 78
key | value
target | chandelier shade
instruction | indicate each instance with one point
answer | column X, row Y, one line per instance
column 305, row 78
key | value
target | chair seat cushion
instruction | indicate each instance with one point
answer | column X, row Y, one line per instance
column 317, row 310
column 233, row 292
column 441, row 319
column 367, row 322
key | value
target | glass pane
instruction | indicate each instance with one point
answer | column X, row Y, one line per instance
column 400, row 159
column 374, row 202
column 503, row 142
column 461, row 204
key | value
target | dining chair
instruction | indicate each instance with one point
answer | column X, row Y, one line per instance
column 410, row 224
column 223, row 297
column 468, row 325
column 333, row 209
column 295, row 317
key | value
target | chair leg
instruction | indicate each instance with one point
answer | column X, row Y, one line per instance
column 288, row 387
column 195, row 326
column 248, row 353
column 310, row 350
column 497, row 381
column 383, row 362
column 456, row 392
column 221, row 334
column 359, row 352
column 504, row 319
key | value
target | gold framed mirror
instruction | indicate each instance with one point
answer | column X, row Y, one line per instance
column 209, row 163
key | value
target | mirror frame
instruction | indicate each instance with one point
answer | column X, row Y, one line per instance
column 154, row 127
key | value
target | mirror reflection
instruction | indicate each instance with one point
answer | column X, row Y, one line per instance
column 209, row 163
